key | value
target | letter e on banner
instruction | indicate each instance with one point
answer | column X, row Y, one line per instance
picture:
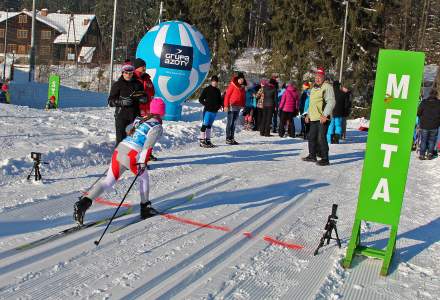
column 389, row 120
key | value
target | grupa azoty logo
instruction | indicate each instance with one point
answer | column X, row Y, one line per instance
column 178, row 59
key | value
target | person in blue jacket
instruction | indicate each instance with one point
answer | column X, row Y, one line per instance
column 304, row 109
column 249, row 110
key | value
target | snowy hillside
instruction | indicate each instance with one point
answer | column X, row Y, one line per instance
column 245, row 223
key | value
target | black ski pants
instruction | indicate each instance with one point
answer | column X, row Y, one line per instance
column 267, row 120
column 318, row 140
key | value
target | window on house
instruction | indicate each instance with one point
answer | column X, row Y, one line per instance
column 45, row 50
column 2, row 33
column 22, row 19
column 46, row 34
column 21, row 49
column 12, row 48
column 22, row 33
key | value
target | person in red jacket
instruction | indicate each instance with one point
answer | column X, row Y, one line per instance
column 144, row 79
column 235, row 99
column 289, row 107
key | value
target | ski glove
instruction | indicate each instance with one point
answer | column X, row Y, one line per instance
column 126, row 101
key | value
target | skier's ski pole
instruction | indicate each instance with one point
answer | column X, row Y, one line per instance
column 122, row 201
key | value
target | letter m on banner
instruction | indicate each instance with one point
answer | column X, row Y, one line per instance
column 393, row 114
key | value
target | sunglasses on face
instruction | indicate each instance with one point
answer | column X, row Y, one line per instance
column 130, row 73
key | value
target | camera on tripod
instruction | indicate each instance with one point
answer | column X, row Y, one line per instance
column 329, row 227
column 36, row 157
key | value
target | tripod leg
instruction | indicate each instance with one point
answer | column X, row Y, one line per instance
column 321, row 243
column 30, row 174
column 39, row 174
column 328, row 235
column 337, row 237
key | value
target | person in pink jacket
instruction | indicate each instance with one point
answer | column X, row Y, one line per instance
column 289, row 107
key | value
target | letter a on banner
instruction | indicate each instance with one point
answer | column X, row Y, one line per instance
column 393, row 114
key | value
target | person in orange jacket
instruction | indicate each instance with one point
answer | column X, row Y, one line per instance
column 235, row 100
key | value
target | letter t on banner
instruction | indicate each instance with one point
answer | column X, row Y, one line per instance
column 393, row 114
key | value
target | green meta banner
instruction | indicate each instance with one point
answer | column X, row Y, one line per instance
column 393, row 114
column 54, row 88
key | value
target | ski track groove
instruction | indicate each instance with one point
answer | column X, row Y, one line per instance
column 37, row 258
column 172, row 275
column 250, row 284
column 187, row 285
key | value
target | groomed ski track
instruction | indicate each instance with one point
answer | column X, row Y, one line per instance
column 246, row 197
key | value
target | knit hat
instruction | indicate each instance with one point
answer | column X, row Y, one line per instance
column 157, row 106
column 214, row 78
column 139, row 62
column 127, row 67
column 320, row 71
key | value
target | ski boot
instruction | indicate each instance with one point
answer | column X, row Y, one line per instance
column 147, row 211
column 209, row 144
column 79, row 209
column 203, row 143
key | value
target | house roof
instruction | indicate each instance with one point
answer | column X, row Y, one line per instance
column 10, row 15
column 60, row 22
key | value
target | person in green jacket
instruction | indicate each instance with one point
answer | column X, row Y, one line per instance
column 322, row 102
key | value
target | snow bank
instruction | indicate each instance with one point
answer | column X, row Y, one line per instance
column 75, row 137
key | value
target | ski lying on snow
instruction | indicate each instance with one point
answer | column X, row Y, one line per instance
column 68, row 231
column 164, row 211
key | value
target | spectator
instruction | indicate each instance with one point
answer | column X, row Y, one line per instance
column 277, row 101
column 334, row 132
column 51, row 103
column 289, row 106
column 269, row 103
column 5, row 91
column 429, row 116
column 122, row 98
column 249, row 110
column 235, row 99
column 304, row 108
column 322, row 102
column 260, row 105
column 211, row 99
column 347, row 111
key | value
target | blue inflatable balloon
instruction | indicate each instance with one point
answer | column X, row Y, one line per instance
column 178, row 60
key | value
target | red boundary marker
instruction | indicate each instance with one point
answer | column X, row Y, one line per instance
column 110, row 203
column 280, row 243
column 247, row 234
column 195, row 223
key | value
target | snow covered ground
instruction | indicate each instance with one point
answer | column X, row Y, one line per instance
column 255, row 217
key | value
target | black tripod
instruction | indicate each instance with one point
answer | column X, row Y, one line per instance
column 329, row 227
column 36, row 167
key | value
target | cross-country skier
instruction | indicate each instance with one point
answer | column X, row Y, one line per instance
column 211, row 99
column 133, row 154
